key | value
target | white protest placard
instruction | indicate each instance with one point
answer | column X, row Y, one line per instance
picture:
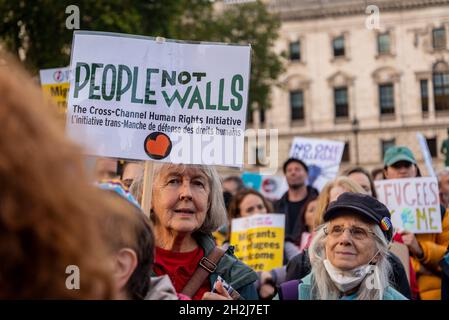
column 323, row 158
column 271, row 187
column 258, row 240
column 426, row 153
column 138, row 98
column 413, row 203
column 55, row 84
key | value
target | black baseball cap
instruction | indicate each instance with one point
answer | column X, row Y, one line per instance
column 290, row 160
column 364, row 206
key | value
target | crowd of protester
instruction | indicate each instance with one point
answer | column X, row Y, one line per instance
column 54, row 216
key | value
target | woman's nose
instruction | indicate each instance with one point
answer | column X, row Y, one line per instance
column 186, row 191
column 345, row 237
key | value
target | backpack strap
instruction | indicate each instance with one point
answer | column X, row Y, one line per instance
column 289, row 290
column 206, row 266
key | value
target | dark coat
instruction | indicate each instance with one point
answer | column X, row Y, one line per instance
column 281, row 206
column 445, row 277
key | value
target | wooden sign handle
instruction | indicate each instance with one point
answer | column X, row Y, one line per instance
column 147, row 187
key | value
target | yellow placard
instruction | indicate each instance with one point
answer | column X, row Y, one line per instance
column 58, row 93
column 259, row 241
column 55, row 84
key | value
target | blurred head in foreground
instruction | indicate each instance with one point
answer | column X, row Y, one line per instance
column 49, row 240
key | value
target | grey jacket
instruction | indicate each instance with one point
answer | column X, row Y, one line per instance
column 161, row 288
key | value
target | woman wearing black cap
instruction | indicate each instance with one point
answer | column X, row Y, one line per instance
column 349, row 253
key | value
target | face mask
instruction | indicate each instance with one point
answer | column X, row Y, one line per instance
column 350, row 279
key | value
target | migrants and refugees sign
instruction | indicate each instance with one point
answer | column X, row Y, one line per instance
column 55, row 84
column 144, row 98
column 323, row 158
column 413, row 203
column 259, row 240
column 270, row 186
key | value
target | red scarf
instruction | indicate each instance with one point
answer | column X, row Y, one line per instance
column 180, row 267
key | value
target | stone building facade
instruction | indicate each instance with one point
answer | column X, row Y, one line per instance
column 368, row 85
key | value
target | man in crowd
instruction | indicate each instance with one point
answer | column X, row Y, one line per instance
column 105, row 169
column 292, row 202
column 233, row 184
column 131, row 170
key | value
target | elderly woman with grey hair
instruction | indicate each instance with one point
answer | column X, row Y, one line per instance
column 186, row 206
column 349, row 253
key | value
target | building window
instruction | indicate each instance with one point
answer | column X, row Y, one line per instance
column 386, row 98
column 439, row 38
column 295, row 51
column 386, row 144
column 441, row 91
column 341, row 102
column 297, row 105
column 383, row 43
column 432, row 144
column 424, row 96
column 262, row 115
column 339, row 46
column 346, row 156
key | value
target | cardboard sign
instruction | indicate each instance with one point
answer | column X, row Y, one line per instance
column 426, row 153
column 414, row 203
column 55, row 84
column 259, row 240
column 141, row 98
column 323, row 158
column 271, row 187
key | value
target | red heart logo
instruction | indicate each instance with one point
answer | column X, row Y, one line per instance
column 157, row 145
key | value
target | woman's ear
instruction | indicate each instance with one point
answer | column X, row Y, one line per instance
column 385, row 174
column 125, row 264
column 376, row 258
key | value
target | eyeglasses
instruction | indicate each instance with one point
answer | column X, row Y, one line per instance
column 358, row 233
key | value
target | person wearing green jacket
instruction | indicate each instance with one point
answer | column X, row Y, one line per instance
column 186, row 206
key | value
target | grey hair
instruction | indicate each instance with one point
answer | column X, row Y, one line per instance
column 322, row 286
column 216, row 214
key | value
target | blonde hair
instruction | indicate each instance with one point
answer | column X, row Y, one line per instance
column 324, row 197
